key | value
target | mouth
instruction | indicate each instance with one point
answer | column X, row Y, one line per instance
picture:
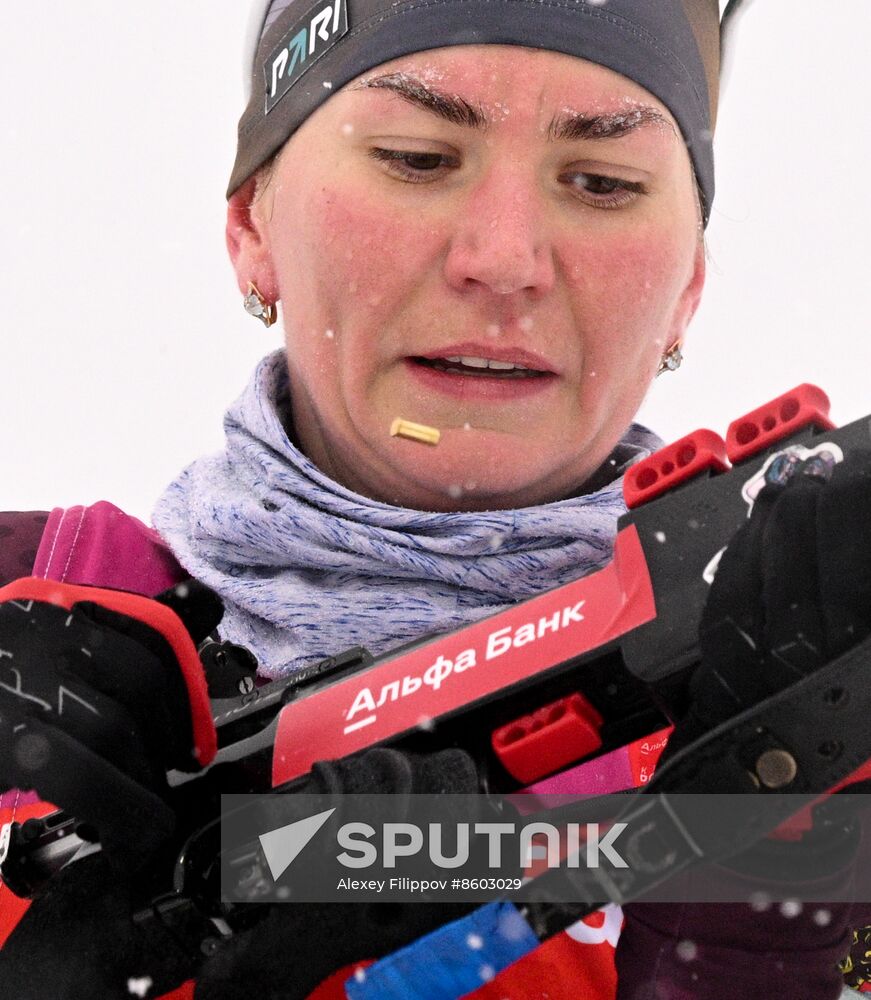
column 474, row 372
column 479, row 367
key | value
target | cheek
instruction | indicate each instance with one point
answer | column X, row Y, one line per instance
column 367, row 253
column 628, row 285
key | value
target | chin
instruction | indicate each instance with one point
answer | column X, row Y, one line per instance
column 483, row 485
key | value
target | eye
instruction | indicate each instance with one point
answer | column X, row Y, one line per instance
column 421, row 167
column 602, row 191
column 415, row 167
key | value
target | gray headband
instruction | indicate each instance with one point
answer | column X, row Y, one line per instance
column 307, row 50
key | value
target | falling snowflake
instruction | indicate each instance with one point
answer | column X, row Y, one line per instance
column 512, row 925
column 475, row 942
column 687, row 951
column 790, row 908
column 139, row 987
column 32, row 751
column 759, row 901
column 659, row 536
column 496, row 541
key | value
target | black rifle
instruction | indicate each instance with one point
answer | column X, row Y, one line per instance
column 548, row 685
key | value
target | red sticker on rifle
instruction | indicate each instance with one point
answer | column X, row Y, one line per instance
column 452, row 672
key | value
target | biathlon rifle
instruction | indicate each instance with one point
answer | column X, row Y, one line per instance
column 559, row 679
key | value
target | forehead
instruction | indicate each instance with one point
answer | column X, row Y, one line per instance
column 523, row 79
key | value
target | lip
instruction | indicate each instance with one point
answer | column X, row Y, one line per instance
column 469, row 388
column 494, row 352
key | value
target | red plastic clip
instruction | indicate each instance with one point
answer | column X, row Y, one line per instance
column 672, row 465
column 548, row 739
column 782, row 417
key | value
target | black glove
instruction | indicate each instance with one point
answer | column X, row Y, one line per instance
column 78, row 941
column 792, row 592
column 298, row 945
column 101, row 692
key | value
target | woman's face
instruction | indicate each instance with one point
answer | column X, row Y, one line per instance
column 489, row 203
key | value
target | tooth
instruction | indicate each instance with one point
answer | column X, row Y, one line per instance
column 501, row 366
column 456, row 360
column 473, row 362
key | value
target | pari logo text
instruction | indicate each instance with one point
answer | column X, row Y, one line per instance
column 311, row 37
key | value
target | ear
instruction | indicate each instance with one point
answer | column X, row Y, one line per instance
column 248, row 242
column 691, row 295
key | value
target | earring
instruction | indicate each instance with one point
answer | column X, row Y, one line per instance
column 256, row 305
column 671, row 360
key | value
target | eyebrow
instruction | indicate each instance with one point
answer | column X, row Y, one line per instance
column 567, row 126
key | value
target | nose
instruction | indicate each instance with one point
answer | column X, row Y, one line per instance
column 500, row 241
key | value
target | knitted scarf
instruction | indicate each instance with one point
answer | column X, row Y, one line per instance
column 307, row 568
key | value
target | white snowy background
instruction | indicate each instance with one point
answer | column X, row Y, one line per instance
column 123, row 337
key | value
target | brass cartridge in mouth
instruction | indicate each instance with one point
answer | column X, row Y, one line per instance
column 415, row 432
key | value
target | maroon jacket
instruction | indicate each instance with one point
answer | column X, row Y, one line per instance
column 666, row 951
